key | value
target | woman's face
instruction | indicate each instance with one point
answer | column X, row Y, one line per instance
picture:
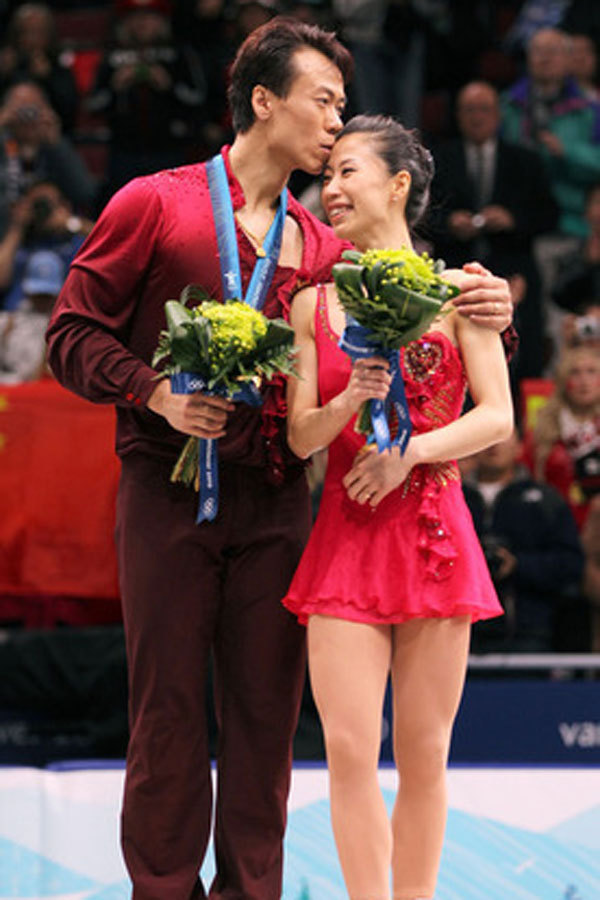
column 583, row 381
column 357, row 188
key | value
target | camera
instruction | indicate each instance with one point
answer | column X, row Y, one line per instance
column 41, row 209
column 27, row 114
column 587, row 328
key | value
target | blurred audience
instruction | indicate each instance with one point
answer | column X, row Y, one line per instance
column 32, row 52
column 492, row 198
column 590, row 537
column 533, row 551
column 583, row 65
column 32, row 148
column 151, row 91
column 206, row 27
column 584, row 328
column 388, row 43
column 22, row 331
column 564, row 450
column 41, row 220
column 547, row 110
column 577, row 280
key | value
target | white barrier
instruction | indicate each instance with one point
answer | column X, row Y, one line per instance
column 513, row 834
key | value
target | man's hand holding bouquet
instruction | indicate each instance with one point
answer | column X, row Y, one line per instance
column 221, row 349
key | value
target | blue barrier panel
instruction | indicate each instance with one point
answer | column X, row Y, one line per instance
column 528, row 721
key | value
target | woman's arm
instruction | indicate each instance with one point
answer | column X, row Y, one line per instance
column 374, row 475
column 310, row 426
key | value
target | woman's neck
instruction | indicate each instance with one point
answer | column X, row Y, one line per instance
column 385, row 238
column 261, row 175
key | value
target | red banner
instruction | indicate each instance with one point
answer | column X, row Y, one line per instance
column 58, row 481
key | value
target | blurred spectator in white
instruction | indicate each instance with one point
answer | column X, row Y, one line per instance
column 41, row 220
column 32, row 52
column 532, row 549
column 22, row 332
column 388, row 41
column 32, row 148
column 564, row 450
column 576, row 283
column 151, row 91
column 584, row 64
column 491, row 200
column 583, row 329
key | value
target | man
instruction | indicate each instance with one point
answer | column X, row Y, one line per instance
column 532, row 548
column 548, row 110
column 491, row 200
column 188, row 590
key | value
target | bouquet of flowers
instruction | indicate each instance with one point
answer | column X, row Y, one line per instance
column 227, row 349
column 390, row 297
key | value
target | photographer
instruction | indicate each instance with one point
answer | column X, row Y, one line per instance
column 151, row 91
column 41, row 220
column 533, row 552
column 32, row 148
column 32, row 52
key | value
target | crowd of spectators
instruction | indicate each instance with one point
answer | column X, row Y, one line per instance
column 507, row 96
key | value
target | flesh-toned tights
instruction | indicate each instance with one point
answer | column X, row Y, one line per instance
column 349, row 665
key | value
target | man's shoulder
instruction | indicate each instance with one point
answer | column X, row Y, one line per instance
column 167, row 181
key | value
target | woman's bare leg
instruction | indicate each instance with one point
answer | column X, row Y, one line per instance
column 429, row 661
column 349, row 665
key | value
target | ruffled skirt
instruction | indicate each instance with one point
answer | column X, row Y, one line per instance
column 415, row 556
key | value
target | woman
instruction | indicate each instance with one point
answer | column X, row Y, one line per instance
column 565, row 447
column 393, row 574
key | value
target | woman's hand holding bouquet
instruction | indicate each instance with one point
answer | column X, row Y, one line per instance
column 390, row 297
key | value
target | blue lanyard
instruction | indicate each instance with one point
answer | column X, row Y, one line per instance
column 229, row 256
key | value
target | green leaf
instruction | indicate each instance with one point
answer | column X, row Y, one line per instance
column 195, row 293
column 176, row 315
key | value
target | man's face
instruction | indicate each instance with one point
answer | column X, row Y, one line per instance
column 478, row 113
column 25, row 107
column 497, row 461
column 548, row 56
column 303, row 124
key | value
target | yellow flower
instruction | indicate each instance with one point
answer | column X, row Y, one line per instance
column 235, row 326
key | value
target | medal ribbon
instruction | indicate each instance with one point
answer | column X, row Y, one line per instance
column 229, row 256
column 231, row 278
column 358, row 343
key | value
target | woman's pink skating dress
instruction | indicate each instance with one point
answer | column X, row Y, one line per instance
column 417, row 554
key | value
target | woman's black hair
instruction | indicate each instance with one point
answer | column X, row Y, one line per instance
column 399, row 148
